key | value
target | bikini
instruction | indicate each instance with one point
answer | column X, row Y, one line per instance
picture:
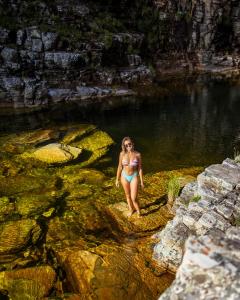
column 134, row 163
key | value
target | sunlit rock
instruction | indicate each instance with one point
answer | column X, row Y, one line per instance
column 210, row 268
column 56, row 153
column 110, row 271
column 94, row 146
column 211, row 203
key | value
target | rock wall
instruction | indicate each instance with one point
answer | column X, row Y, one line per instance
column 52, row 48
column 202, row 242
column 50, row 52
column 199, row 33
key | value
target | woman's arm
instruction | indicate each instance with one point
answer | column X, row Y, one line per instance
column 119, row 169
column 140, row 169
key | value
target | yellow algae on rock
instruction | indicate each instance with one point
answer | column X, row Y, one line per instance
column 29, row 283
column 56, row 153
column 95, row 146
column 15, row 235
column 75, row 133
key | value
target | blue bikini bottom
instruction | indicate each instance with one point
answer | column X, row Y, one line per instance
column 129, row 177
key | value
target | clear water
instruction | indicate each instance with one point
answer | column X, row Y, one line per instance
column 188, row 128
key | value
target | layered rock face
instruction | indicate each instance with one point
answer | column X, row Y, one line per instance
column 60, row 51
column 203, row 34
column 201, row 243
column 49, row 52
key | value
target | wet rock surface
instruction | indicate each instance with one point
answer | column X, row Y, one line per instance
column 203, row 236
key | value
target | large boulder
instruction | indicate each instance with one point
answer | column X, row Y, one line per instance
column 94, row 146
column 56, row 153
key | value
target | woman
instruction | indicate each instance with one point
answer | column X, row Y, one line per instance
column 129, row 168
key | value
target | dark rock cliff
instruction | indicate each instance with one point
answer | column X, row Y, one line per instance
column 51, row 50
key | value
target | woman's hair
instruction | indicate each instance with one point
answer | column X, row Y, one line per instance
column 126, row 138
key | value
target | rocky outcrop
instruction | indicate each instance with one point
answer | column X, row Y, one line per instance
column 207, row 216
column 202, row 35
column 209, row 269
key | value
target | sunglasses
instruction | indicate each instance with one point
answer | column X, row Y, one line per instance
column 128, row 145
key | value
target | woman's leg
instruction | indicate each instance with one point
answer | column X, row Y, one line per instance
column 134, row 192
column 126, row 187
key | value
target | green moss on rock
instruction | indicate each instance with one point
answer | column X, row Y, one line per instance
column 94, row 146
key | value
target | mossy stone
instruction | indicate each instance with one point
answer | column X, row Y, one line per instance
column 74, row 133
column 16, row 235
column 94, row 146
column 29, row 283
column 35, row 204
column 7, row 209
column 55, row 153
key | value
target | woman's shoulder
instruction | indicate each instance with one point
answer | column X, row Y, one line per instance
column 137, row 153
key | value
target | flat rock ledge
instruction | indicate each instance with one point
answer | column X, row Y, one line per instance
column 202, row 241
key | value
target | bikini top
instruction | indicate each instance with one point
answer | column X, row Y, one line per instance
column 132, row 163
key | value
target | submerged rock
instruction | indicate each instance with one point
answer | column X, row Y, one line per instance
column 7, row 209
column 94, row 146
column 109, row 271
column 29, row 283
column 35, row 204
column 36, row 137
column 56, row 153
column 153, row 217
column 75, row 133
column 16, row 235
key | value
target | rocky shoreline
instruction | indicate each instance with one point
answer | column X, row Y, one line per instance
column 201, row 243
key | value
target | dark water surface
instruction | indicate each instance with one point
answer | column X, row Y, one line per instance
column 194, row 128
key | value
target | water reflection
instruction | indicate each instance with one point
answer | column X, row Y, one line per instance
column 184, row 129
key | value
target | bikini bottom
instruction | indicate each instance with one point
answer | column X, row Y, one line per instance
column 129, row 177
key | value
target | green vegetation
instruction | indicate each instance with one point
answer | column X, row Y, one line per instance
column 195, row 198
column 237, row 222
column 173, row 188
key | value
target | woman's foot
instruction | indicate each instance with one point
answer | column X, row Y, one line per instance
column 139, row 214
column 130, row 213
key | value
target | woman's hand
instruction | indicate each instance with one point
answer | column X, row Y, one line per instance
column 117, row 183
column 142, row 185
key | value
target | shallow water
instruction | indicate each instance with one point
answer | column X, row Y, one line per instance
column 196, row 126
